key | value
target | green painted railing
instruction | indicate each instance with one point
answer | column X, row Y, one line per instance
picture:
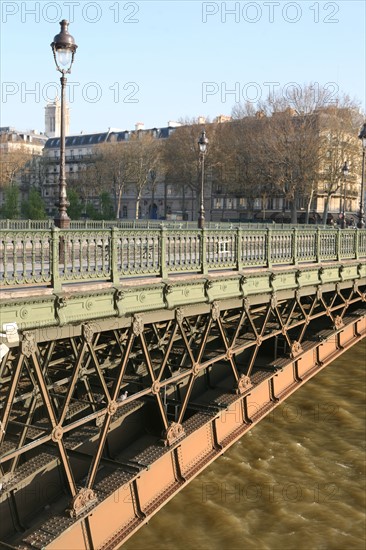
column 54, row 257
column 140, row 224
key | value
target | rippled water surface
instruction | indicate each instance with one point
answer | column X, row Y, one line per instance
column 295, row 481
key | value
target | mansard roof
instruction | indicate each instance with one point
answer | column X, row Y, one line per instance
column 95, row 139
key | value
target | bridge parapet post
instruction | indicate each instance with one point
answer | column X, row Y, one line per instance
column 204, row 266
column 163, row 243
column 295, row 246
column 269, row 247
column 339, row 243
column 239, row 247
column 114, row 256
column 317, row 248
column 357, row 243
column 55, row 266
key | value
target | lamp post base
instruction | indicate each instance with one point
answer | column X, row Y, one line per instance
column 62, row 222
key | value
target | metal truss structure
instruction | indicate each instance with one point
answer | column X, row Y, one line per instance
column 104, row 421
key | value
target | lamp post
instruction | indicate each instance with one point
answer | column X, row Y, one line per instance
column 361, row 213
column 153, row 212
column 202, row 144
column 63, row 48
column 345, row 172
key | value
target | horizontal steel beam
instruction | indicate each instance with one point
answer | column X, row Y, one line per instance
column 54, row 315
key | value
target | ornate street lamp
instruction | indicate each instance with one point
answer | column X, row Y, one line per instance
column 63, row 48
column 345, row 172
column 202, row 144
column 361, row 213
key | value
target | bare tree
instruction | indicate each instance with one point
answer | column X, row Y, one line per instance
column 305, row 138
column 181, row 160
column 142, row 157
column 112, row 170
column 12, row 162
column 338, row 133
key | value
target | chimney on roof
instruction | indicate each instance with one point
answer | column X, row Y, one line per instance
column 139, row 126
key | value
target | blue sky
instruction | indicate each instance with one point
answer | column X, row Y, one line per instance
column 153, row 61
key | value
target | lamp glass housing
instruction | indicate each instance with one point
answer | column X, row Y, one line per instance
column 64, row 56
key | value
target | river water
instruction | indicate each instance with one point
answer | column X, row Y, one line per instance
column 295, row 481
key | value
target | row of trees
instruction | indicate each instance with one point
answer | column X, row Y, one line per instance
column 33, row 208
column 294, row 147
column 291, row 147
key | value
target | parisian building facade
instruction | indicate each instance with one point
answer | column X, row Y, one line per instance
column 165, row 201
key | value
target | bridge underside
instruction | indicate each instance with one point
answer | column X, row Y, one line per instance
column 103, row 422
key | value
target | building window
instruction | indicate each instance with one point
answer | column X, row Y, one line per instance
column 124, row 211
column 230, row 203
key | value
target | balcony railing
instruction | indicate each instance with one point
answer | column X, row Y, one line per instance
column 56, row 257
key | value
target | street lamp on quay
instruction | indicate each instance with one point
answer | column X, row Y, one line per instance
column 345, row 172
column 361, row 213
column 202, row 144
column 63, row 48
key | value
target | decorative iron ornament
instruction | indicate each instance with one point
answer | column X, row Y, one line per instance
column 296, row 348
column 179, row 315
column 246, row 303
column 82, row 501
column 28, row 344
column 244, row 384
column 173, row 433
column 88, row 332
column 274, row 301
column 137, row 325
column 57, row 433
column 112, row 408
column 215, row 310
column 338, row 322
